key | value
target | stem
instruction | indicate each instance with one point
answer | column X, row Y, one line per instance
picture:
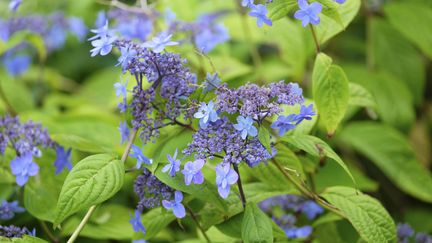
column 198, row 224
column 306, row 192
column 92, row 208
column 50, row 235
column 82, row 224
column 239, row 184
column 318, row 49
column 9, row 107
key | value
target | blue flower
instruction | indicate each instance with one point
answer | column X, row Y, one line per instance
column 56, row 37
column 127, row 54
column 120, row 89
column 311, row 209
column 296, row 90
column 63, row 159
column 124, row 132
column 173, row 166
column 308, row 13
column 102, row 31
column 176, row 206
column 102, row 46
column 206, row 113
column 259, row 11
column 208, row 38
column 245, row 126
column 101, row 19
column 140, row 241
column 136, row 223
column 78, row 28
column 192, row 172
column 340, row 1
column 225, row 177
column 284, row 124
column 159, row 42
column 169, row 15
column 14, row 4
column 138, row 154
column 16, row 65
column 8, row 210
column 247, row 3
column 301, row 232
column 23, row 167
column 404, row 231
column 211, row 82
column 306, row 113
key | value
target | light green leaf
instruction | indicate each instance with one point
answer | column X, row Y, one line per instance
column 330, row 9
column 24, row 239
column 360, row 96
column 79, row 143
column 155, row 220
column 365, row 213
column 316, row 147
column 92, row 181
column 107, row 222
column 328, row 27
column 256, row 226
column 264, row 138
column 330, row 91
column 280, row 8
column 413, row 21
column 391, row 152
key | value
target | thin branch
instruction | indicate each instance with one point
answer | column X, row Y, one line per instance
column 47, row 231
column 317, row 45
column 198, row 224
column 240, row 187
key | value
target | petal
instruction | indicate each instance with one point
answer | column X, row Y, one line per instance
column 198, row 164
column 232, row 177
column 179, row 210
column 244, row 134
column 198, row 178
column 21, row 180
column 166, row 168
column 178, row 196
column 253, row 131
column 303, row 4
column 33, row 169
column 167, row 204
column 224, row 191
column 299, row 14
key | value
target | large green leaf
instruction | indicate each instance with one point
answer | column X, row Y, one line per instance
column 360, row 96
column 316, row 147
column 413, row 21
column 256, row 226
column 155, row 220
column 24, row 239
column 280, row 8
column 92, row 181
column 79, row 143
column 365, row 213
column 107, row 222
column 330, row 91
column 394, row 53
column 391, row 152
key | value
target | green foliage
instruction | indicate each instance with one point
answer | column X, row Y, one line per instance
column 365, row 213
column 256, row 226
column 92, row 181
column 331, row 92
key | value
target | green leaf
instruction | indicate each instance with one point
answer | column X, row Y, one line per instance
column 24, row 239
column 155, row 220
column 256, row 226
column 365, row 213
column 328, row 27
column 316, row 147
column 360, row 96
column 280, row 8
column 392, row 153
column 330, row 91
column 406, row 63
column 264, row 138
column 232, row 226
column 107, row 222
column 330, row 9
column 79, row 143
column 92, row 181
column 413, row 21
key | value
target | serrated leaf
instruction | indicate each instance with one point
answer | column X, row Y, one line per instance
column 365, row 213
column 280, row 8
column 330, row 91
column 391, row 152
column 264, row 138
column 256, row 226
column 92, row 181
column 413, row 21
column 316, row 147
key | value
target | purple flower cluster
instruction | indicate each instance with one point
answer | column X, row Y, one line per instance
column 258, row 102
column 221, row 139
column 291, row 206
column 26, row 140
column 15, row 232
column 8, row 210
column 151, row 191
column 405, row 232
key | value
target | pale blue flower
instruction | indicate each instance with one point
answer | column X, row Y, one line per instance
column 138, row 154
column 259, row 11
column 23, row 167
column 247, row 3
column 340, row 1
column 192, row 172
column 136, row 223
column 174, row 165
column 124, row 132
column 14, row 5
column 284, row 124
column 246, row 127
column 63, row 159
column 306, row 113
column 121, row 90
column 159, row 42
column 308, row 13
column 176, row 206
column 225, row 177
column 102, row 46
column 206, row 113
